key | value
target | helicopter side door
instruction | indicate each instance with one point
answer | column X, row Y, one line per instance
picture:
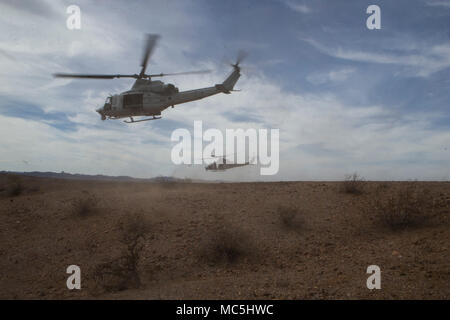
column 133, row 101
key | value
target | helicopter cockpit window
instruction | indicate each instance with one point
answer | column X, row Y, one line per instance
column 107, row 103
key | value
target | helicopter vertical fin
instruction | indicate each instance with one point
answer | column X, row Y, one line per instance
column 229, row 82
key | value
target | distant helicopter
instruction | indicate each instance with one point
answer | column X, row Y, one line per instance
column 216, row 166
column 149, row 98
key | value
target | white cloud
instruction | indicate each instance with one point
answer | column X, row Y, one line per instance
column 93, row 151
column 298, row 7
column 321, row 137
column 429, row 61
column 445, row 4
column 331, row 76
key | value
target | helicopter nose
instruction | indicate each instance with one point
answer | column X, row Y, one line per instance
column 100, row 111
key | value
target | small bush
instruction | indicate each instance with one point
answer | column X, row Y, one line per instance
column 14, row 186
column 133, row 228
column 115, row 275
column 290, row 218
column 226, row 246
column 411, row 206
column 85, row 205
column 123, row 272
column 353, row 184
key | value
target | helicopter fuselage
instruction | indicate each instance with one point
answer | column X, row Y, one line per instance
column 217, row 167
column 150, row 98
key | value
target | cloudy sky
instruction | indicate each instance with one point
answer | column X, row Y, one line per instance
column 344, row 97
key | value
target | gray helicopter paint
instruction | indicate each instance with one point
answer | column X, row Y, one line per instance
column 154, row 103
column 150, row 98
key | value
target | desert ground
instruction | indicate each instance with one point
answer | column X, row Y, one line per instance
column 284, row 240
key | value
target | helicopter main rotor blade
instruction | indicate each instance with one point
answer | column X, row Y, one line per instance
column 94, row 76
column 150, row 45
column 177, row 73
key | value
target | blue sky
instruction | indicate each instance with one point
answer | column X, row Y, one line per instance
column 345, row 98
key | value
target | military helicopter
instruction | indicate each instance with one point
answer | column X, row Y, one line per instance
column 149, row 98
column 217, row 167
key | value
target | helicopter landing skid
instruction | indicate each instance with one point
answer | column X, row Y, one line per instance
column 148, row 119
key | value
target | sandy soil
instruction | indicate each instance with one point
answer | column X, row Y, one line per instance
column 217, row 240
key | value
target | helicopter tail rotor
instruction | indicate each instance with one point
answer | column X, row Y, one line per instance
column 241, row 56
column 228, row 85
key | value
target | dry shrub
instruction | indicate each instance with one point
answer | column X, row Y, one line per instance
column 290, row 218
column 227, row 246
column 353, row 184
column 14, row 186
column 123, row 272
column 409, row 206
column 85, row 205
